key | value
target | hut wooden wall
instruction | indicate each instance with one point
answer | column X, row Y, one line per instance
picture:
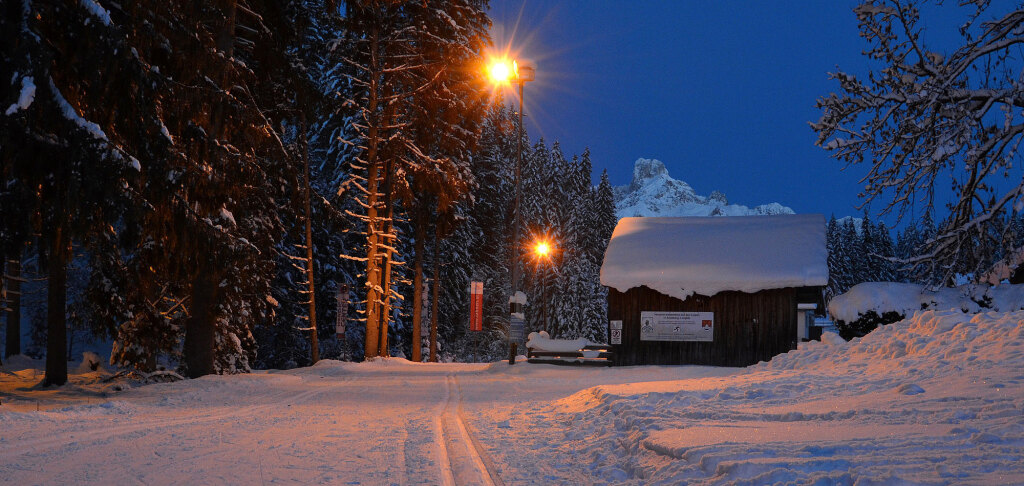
column 738, row 340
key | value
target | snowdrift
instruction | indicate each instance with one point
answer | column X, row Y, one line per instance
column 905, row 298
column 935, row 398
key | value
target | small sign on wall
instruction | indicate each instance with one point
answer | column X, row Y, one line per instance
column 615, row 332
column 677, row 326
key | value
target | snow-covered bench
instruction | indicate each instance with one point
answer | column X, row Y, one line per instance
column 540, row 348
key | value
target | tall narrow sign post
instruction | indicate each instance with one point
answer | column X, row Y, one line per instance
column 476, row 313
column 476, row 306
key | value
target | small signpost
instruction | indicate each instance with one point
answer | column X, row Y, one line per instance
column 476, row 306
column 342, row 314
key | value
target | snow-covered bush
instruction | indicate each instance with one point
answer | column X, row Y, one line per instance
column 871, row 304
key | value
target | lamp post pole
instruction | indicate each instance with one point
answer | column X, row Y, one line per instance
column 523, row 73
column 515, row 208
column 502, row 71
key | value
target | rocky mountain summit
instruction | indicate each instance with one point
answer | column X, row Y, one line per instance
column 653, row 192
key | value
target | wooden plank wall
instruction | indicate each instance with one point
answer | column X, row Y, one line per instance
column 748, row 327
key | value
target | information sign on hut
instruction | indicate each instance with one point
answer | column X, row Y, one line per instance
column 719, row 291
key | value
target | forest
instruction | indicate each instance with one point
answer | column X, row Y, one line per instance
column 204, row 185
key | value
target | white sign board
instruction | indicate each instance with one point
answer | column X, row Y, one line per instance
column 677, row 326
column 615, row 331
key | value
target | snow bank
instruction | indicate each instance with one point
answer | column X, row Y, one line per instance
column 683, row 256
column 905, row 299
column 933, row 399
column 541, row 341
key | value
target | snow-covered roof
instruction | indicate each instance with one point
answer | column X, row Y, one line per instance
column 683, row 256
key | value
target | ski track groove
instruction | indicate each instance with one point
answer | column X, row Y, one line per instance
column 463, row 460
column 90, row 437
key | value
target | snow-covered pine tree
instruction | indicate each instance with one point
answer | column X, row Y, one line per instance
column 493, row 167
column 834, row 247
column 884, row 253
column 605, row 211
column 850, row 256
column 204, row 240
column 420, row 106
column 67, row 139
column 866, row 262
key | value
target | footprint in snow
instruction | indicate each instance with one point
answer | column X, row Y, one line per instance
column 909, row 389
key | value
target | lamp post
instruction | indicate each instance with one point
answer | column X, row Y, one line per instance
column 502, row 71
column 543, row 251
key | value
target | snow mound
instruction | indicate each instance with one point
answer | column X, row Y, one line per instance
column 905, row 299
column 932, row 340
column 90, row 362
column 20, row 362
column 541, row 341
column 908, row 403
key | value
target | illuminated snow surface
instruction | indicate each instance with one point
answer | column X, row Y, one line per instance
column 935, row 399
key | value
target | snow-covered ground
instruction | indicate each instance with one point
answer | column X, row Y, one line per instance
column 935, row 399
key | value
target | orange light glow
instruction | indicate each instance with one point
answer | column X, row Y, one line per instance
column 501, row 70
column 542, row 249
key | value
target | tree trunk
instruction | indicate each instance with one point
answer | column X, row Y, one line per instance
column 56, row 304
column 314, row 342
column 372, row 169
column 436, row 291
column 13, row 344
column 417, row 292
column 200, row 327
column 391, row 242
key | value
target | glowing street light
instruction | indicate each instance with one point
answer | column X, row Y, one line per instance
column 543, row 251
column 502, row 71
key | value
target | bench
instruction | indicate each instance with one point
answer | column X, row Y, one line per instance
column 589, row 355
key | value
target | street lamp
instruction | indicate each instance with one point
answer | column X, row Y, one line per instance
column 503, row 71
column 543, row 251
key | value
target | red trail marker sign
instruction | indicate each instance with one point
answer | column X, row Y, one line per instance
column 476, row 306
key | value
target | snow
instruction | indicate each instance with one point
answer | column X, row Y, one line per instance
column 96, row 10
column 682, row 256
column 653, row 192
column 541, row 341
column 935, row 399
column 25, row 97
column 227, row 215
column 70, row 113
column 905, row 299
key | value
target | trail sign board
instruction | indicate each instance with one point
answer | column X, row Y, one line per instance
column 476, row 306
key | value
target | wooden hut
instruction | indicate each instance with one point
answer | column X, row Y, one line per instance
column 727, row 291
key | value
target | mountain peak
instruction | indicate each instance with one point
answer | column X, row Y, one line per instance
column 653, row 192
column 646, row 169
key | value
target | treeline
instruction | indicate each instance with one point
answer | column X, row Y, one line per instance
column 186, row 158
column 863, row 251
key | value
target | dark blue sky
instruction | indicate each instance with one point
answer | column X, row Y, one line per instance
column 720, row 91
